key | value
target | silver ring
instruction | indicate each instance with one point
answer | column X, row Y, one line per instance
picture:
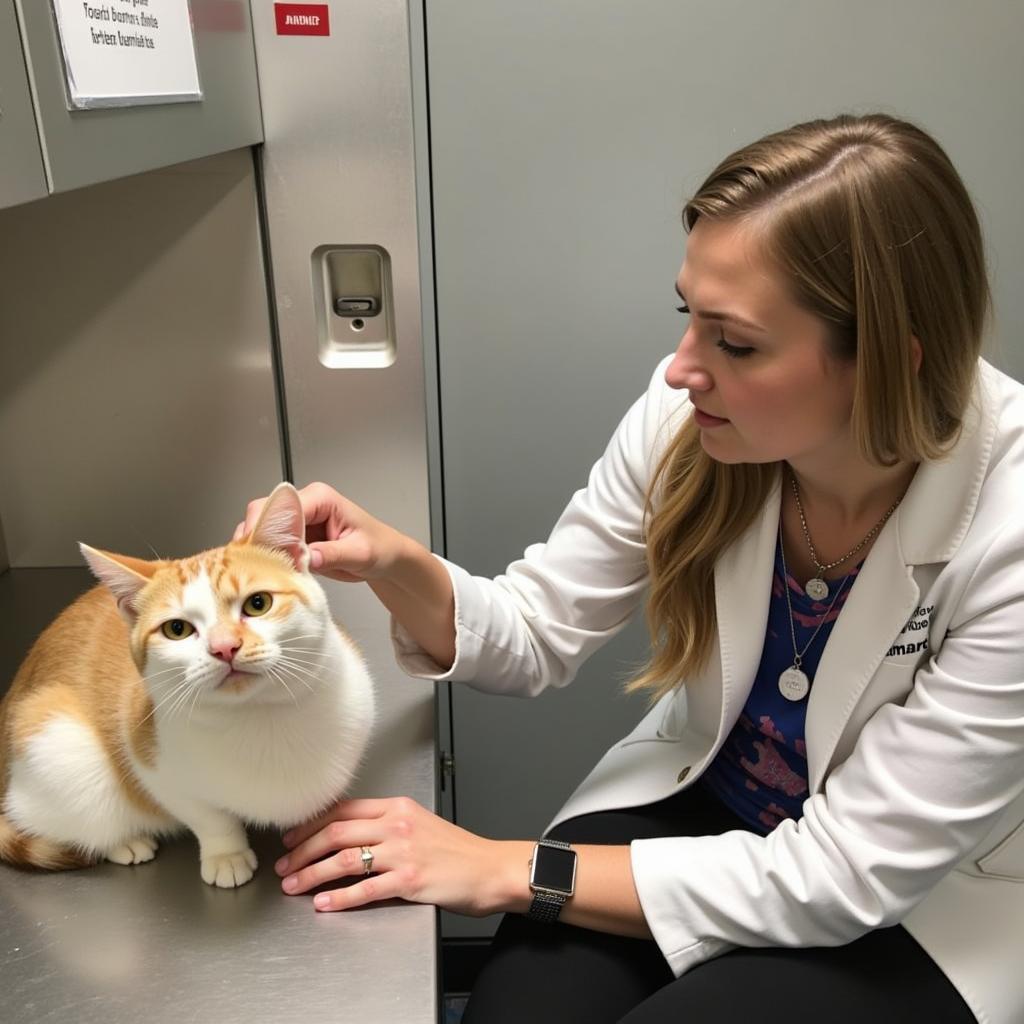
column 367, row 858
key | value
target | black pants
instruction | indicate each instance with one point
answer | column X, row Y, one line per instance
column 538, row 973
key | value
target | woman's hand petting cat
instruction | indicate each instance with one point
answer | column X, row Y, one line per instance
column 417, row 856
column 345, row 542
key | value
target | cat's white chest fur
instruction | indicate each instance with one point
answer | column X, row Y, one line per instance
column 270, row 764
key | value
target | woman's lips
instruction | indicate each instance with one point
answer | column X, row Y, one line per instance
column 704, row 420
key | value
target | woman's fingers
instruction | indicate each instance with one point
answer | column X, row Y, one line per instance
column 370, row 890
column 351, row 556
column 345, row 542
column 333, row 837
column 344, row 864
column 322, row 509
column 322, row 504
column 252, row 514
column 417, row 856
column 343, row 831
column 357, row 824
column 343, row 810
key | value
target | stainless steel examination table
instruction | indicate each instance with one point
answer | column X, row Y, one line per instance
column 153, row 943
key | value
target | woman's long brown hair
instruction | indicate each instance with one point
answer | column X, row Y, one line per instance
column 870, row 225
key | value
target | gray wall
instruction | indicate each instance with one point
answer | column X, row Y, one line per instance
column 565, row 138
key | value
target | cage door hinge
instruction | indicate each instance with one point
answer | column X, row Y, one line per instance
column 447, row 768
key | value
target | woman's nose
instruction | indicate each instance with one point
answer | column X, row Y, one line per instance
column 685, row 370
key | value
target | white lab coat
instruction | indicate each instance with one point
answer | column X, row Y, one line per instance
column 915, row 722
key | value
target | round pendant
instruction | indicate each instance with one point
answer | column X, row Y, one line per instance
column 793, row 684
column 816, row 589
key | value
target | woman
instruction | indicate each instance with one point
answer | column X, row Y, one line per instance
column 822, row 812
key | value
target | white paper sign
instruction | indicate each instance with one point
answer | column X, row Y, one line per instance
column 119, row 53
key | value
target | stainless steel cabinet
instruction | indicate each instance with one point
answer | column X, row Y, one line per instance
column 21, row 163
column 82, row 147
column 146, row 394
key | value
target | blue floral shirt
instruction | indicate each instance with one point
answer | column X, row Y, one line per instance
column 760, row 773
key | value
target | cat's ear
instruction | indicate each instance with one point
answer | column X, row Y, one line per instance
column 282, row 526
column 123, row 576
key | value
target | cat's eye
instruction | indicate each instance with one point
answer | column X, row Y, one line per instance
column 257, row 604
column 177, row 629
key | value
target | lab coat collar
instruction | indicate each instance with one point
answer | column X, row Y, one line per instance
column 937, row 509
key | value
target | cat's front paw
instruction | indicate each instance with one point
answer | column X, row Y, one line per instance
column 228, row 870
column 135, row 851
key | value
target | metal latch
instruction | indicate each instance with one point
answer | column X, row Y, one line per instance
column 356, row 305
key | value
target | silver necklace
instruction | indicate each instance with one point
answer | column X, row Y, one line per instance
column 793, row 682
column 817, row 588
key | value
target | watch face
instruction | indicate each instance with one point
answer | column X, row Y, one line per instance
column 553, row 868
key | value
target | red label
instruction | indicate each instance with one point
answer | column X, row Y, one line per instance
column 302, row 19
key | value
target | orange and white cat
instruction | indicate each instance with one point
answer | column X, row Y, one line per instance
column 194, row 694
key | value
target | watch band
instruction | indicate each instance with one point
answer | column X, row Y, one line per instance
column 547, row 903
column 546, row 907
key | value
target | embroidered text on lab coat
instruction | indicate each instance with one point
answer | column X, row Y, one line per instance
column 911, row 640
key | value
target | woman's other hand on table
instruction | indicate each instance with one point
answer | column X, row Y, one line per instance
column 417, row 856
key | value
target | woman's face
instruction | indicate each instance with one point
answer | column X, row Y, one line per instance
column 755, row 359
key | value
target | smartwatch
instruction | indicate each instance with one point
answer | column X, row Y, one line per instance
column 552, row 879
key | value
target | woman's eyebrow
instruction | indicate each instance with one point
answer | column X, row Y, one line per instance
column 711, row 314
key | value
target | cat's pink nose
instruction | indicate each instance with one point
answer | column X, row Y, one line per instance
column 225, row 649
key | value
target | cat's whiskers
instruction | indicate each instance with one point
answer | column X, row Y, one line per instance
column 267, row 652
column 179, row 696
column 161, row 686
column 195, row 700
column 301, row 659
column 291, row 673
column 272, row 656
column 199, row 683
column 296, row 668
column 315, row 657
column 263, row 654
column 181, row 685
column 273, row 674
column 181, row 701
column 155, row 676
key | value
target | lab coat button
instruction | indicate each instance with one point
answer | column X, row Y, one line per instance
column 682, row 775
